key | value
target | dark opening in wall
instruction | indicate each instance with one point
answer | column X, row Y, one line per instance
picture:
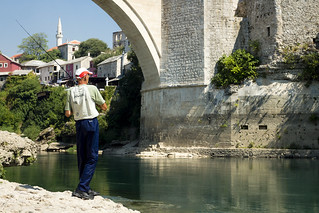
column 244, row 127
column 262, row 127
column 268, row 31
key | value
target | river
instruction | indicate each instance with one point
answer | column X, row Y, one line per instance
column 186, row 185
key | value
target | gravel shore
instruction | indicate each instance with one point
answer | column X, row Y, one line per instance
column 15, row 197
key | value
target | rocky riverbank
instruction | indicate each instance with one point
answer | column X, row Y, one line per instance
column 160, row 151
column 15, row 197
column 16, row 150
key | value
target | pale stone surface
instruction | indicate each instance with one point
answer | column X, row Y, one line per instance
column 181, row 108
column 15, row 197
column 15, row 150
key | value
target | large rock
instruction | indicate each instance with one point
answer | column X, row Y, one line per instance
column 16, row 150
column 17, row 197
column 46, row 136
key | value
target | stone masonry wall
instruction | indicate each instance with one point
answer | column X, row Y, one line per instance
column 274, row 111
column 182, row 42
column 276, row 24
column 300, row 21
column 275, row 114
column 263, row 17
column 224, row 32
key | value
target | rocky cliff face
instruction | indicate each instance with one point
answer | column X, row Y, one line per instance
column 16, row 150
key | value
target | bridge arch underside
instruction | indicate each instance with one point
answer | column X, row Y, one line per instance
column 124, row 14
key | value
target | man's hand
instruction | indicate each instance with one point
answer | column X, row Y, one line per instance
column 103, row 106
column 68, row 113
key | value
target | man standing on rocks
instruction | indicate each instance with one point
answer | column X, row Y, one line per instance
column 81, row 101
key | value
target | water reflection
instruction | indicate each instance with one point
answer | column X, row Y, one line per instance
column 188, row 185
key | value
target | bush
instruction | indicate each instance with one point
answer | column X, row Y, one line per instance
column 311, row 71
column 234, row 69
column 32, row 132
column 305, row 55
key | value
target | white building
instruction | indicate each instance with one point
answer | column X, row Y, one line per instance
column 71, row 66
column 33, row 65
column 51, row 72
column 113, row 67
column 67, row 49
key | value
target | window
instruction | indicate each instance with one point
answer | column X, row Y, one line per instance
column 1, row 65
column 263, row 127
column 5, row 65
column 244, row 127
column 76, row 67
column 73, row 49
column 1, row 79
column 54, row 68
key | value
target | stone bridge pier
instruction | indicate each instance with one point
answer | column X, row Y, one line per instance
column 178, row 43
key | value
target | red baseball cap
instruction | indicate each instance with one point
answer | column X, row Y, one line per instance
column 81, row 72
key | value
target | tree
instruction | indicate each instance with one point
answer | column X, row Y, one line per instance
column 49, row 56
column 93, row 46
column 125, row 108
column 34, row 45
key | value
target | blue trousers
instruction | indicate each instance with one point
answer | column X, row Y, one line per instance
column 87, row 141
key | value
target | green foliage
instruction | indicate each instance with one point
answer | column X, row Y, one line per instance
column 8, row 121
column 107, row 54
column 26, row 57
column 234, row 69
column 30, row 160
column 32, row 45
column 71, row 150
column 93, row 46
column 125, row 107
column 2, row 172
column 311, row 71
column 305, row 55
column 23, row 111
column 108, row 93
column 32, row 131
column 22, row 97
column 68, row 129
column 49, row 56
column 49, row 111
column 254, row 46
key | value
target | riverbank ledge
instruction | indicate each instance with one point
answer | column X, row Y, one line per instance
column 160, row 151
column 16, row 150
column 15, row 197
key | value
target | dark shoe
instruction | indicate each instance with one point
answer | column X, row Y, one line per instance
column 83, row 195
column 93, row 193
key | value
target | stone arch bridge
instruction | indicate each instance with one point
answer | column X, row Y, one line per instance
column 178, row 43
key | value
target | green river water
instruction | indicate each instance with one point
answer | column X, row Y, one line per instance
column 187, row 185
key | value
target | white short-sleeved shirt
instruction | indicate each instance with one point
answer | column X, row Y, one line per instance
column 81, row 101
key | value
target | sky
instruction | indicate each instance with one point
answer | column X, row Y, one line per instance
column 80, row 19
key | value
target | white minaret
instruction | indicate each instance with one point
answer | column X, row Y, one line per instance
column 59, row 35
